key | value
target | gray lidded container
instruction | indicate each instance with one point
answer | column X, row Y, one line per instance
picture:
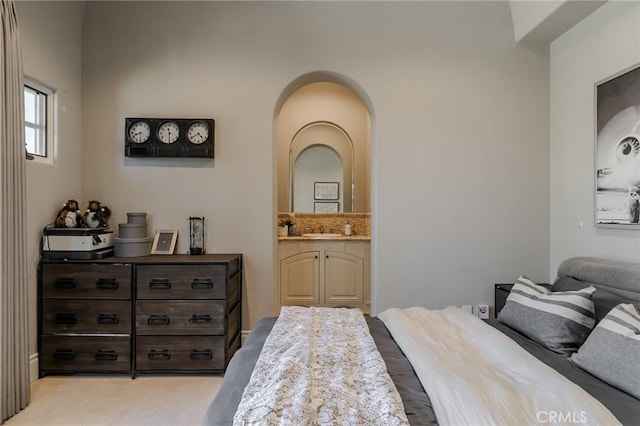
column 132, row 230
column 132, row 247
column 140, row 218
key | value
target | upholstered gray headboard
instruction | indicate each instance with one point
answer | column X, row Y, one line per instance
column 616, row 276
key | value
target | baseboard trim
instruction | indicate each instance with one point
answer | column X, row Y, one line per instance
column 34, row 360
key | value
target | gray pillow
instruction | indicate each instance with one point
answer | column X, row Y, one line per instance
column 612, row 350
column 603, row 300
column 560, row 321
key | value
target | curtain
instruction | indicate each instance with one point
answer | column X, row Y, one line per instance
column 14, row 330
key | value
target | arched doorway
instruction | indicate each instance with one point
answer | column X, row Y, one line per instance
column 315, row 111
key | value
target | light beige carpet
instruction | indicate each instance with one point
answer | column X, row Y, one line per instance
column 121, row 401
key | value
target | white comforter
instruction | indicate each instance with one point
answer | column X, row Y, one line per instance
column 320, row 366
column 475, row 375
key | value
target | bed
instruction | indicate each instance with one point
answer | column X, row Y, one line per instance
column 608, row 283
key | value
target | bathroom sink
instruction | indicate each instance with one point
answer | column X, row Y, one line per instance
column 322, row 235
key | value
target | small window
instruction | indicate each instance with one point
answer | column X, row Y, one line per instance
column 38, row 118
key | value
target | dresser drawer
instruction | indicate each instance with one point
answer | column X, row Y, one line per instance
column 91, row 281
column 181, row 282
column 180, row 353
column 86, row 316
column 85, row 354
column 180, row 317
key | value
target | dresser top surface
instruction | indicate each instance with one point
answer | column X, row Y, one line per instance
column 161, row 259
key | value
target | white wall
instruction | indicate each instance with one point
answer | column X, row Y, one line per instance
column 605, row 43
column 460, row 172
column 50, row 35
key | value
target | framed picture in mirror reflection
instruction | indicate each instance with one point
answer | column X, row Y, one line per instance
column 326, row 190
column 326, row 207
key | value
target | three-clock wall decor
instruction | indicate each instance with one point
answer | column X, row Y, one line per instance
column 169, row 137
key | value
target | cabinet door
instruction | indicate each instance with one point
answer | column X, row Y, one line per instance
column 300, row 279
column 343, row 278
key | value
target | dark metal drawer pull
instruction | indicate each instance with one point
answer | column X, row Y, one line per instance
column 159, row 284
column 159, row 354
column 158, row 319
column 201, row 284
column 65, row 283
column 200, row 319
column 64, row 355
column 106, row 355
column 198, row 355
column 66, row 319
column 107, row 284
column 108, row 319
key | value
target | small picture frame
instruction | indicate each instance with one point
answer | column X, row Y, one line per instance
column 326, row 191
column 326, row 207
column 164, row 242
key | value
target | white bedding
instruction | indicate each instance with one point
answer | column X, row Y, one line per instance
column 320, row 366
column 475, row 375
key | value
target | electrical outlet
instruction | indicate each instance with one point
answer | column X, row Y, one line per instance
column 468, row 308
column 483, row 311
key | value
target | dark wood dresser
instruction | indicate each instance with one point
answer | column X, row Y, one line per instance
column 152, row 314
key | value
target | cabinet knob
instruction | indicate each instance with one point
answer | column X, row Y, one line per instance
column 199, row 355
column 64, row 318
column 158, row 320
column 108, row 319
column 159, row 355
column 65, row 283
column 200, row 318
column 159, row 284
column 64, row 355
column 107, row 284
column 102, row 355
column 201, row 284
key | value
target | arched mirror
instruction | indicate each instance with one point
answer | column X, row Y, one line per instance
column 318, row 172
column 321, row 170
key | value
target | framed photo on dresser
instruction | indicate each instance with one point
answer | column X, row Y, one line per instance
column 164, row 242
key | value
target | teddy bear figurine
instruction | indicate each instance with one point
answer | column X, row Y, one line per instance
column 97, row 216
column 69, row 216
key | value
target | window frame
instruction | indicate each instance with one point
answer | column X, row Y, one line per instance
column 46, row 114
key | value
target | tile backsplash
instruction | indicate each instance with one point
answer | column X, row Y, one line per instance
column 329, row 222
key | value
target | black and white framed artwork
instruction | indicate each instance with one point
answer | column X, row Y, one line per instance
column 618, row 151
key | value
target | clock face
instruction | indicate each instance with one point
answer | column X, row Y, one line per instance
column 139, row 132
column 168, row 132
column 198, row 133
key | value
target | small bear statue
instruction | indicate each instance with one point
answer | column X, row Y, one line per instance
column 69, row 216
column 97, row 216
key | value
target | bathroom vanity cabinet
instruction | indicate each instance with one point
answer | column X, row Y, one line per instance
column 325, row 273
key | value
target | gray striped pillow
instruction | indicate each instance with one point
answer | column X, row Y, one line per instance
column 560, row 321
column 612, row 350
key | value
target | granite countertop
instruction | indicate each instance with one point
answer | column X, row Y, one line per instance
column 339, row 238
